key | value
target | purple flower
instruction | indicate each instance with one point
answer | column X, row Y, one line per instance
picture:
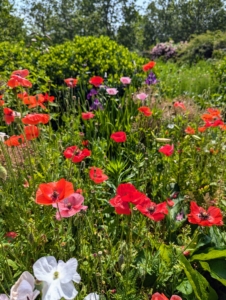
column 91, row 93
column 96, row 105
column 180, row 216
column 151, row 79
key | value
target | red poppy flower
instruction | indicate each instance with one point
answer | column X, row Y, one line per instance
column 22, row 73
column 85, row 143
column 96, row 81
column 190, row 130
column 1, row 101
column 167, row 149
column 31, row 132
column 87, row 116
column 9, row 115
column 215, row 123
column 202, row 129
column 97, row 175
column 16, row 81
column 214, row 112
column 158, row 296
column 200, row 216
column 71, row 82
column 34, row 119
column 48, row 98
column 34, row 101
column 22, row 95
column 129, row 193
column 118, row 137
column 207, row 117
column 53, row 192
column 145, row 111
column 75, row 154
column 152, row 210
column 121, row 207
column 15, row 140
column 11, row 234
column 179, row 105
column 149, row 66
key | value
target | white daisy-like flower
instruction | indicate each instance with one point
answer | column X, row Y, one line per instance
column 57, row 277
column 92, row 296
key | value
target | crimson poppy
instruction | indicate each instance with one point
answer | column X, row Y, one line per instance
column 53, row 192
column 75, row 154
column 152, row 210
column 118, row 137
column 87, row 116
column 97, row 175
column 145, row 111
column 34, row 119
column 199, row 216
column 129, row 193
column 96, row 81
column 190, row 130
column 31, row 132
column 149, row 66
column 71, row 82
column 167, row 149
column 11, row 235
column 14, row 140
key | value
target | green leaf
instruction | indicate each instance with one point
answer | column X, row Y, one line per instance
column 185, row 287
column 201, row 287
column 211, row 253
column 216, row 268
column 12, row 264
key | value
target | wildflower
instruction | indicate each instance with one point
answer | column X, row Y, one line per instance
column 9, row 115
column 96, row 105
column 201, row 129
column 145, row 111
column 158, row 296
column 34, row 101
column 2, row 102
column 79, row 191
column 112, row 91
column 190, row 130
column 91, row 93
column 11, row 235
column 70, row 206
column 180, row 216
column 23, row 288
column 34, row 119
column 97, row 175
column 200, row 216
column 118, row 137
column 92, row 296
column 53, row 192
column 142, row 96
column 18, row 79
column 96, row 81
column 167, row 149
column 14, row 140
column 125, row 80
column 151, row 79
column 148, row 66
column 57, row 277
column 48, row 98
column 170, row 202
column 85, row 143
column 214, row 112
column 75, row 154
column 2, row 136
column 121, row 207
column 152, row 210
column 179, row 105
column 87, row 116
column 71, row 82
column 207, row 117
column 31, row 132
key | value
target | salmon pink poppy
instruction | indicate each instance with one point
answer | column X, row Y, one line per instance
column 17, row 80
column 199, row 216
column 71, row 82
column 125, row 80
column 118, row 137
column 190, row 130
column 87, row 116
column 152, row 210
column 70, row 206
column 158, row 296
column 53, row 192
column 34, row 119
column 149, row 66
column 31, row 132
column 145, row 111
column 167, row 149
column 112, row 91
column 97, row 175
column 179, row 105
column 14, row 140
column 142, row 96
column 96, row 81
column 75, row 154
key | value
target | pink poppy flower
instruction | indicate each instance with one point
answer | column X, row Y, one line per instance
column 70, row 206
column 142, row 96
column 112, row 91
column 125, row 80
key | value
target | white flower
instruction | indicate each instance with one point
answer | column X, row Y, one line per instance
column 2, row 138
column 57, row 277
column 92, row 296
column 23, row 289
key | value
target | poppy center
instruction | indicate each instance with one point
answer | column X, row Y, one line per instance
column 55, row 196
column 56, row 275
column 204, row 215
column 69, row 205
column 151, row 209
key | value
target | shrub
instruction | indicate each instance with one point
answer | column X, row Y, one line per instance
column 164, row 50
